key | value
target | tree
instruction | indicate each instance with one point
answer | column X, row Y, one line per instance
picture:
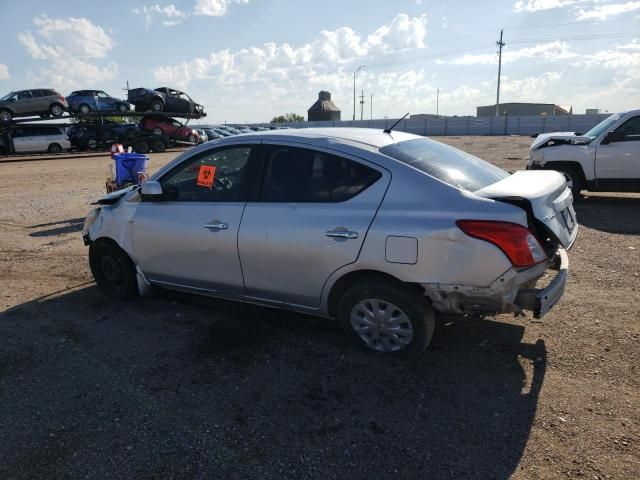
column 288, row 117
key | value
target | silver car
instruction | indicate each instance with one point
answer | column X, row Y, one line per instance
column 377, row 229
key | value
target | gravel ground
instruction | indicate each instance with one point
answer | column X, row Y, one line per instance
column 183, row 387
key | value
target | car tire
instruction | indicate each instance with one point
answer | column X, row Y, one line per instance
column 157, row 106
column 574, row 179
column 157, row 131
column 158, row 146
column 122, row 108
column 92, row 143
column 401, row 321
column 5, row 115
column 54, row 148
column 142, row 147
column 191, row 139
column 84, row 109
column 56, row 110
column 113, row 270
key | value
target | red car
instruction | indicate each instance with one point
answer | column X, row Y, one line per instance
column 170, row 127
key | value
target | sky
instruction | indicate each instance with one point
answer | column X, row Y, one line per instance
column 250, row 60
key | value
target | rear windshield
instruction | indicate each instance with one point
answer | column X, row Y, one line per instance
column 445, row 163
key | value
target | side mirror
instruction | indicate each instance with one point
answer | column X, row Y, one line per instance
column 151, row 191
column 613, row 137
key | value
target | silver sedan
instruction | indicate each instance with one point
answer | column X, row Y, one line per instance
column 378, row 229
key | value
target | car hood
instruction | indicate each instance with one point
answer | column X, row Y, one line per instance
column 114, row 197
column 557, row 138
column 547, row 193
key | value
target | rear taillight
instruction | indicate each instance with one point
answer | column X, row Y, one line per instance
column 519, row 245
column 61, row 98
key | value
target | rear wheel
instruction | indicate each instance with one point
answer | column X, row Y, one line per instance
column 157, row 106
column 84, row 109
column 191, row 139
column 54, row 148
column 122, row 108
column 157, row 131
column 113, row 270
column 56, row 110
column 388, row 317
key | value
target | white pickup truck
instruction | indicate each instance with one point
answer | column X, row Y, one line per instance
column 605, row 159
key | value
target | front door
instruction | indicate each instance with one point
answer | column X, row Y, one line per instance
column 311, row 218
column 190, row 238
column 618, row 162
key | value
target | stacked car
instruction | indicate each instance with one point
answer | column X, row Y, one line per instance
column 93, row 127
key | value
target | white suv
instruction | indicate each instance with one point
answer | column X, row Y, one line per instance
column 606, row 158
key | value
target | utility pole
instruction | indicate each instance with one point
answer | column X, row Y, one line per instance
column 371, row 105
column 437, row 102
column 361, row 105
column 500, row 44
column 354, row 89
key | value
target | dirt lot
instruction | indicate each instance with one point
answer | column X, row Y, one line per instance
column 182, row 387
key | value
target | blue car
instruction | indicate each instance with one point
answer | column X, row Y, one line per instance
column 86, row 101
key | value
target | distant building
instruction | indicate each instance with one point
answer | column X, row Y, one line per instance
column 324, row 109
column 592, row 111
column 524, row 109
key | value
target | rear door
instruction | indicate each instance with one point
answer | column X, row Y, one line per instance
column 190, row 238
column 618, row 162
column 311, row 218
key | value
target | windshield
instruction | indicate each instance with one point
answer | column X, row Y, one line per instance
column 445, row 163
column 7, row 96
column 603, row 126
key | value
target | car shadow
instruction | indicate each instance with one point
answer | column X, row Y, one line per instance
column 188, row 387
column 57, row 228
column 610, row 214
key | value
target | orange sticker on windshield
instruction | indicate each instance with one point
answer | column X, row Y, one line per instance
column 206, row 176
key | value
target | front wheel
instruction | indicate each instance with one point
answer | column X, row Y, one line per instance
column 54, row 148
column 157, row 106
column 122, row 108
column 113, row 270
column 84, row 109
column 388, row 317
column 573, row 178
column 191, row 139
column 5, row 116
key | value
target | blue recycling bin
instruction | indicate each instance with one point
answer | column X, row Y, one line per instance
column 128, row 165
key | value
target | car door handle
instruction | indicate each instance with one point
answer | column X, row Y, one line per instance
column 350, row 234
column 216, row 225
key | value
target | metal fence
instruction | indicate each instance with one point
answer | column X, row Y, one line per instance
column 515, row 125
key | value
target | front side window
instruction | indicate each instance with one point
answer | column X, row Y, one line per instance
column 220, row 175
column 630, row 130
column 448, row 164
column 24, row 95
column 302, row 175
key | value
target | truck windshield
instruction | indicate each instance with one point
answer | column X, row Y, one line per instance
column 445, row 163
column 603, row 126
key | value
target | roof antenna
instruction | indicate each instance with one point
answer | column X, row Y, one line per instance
column 388, row 130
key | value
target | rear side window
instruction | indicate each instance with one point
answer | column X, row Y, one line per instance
column 302, row 175
column 220, row 175
column 448, row 164
column 37, row 93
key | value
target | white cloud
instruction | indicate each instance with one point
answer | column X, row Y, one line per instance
column 327, row 52
column 537, row 5
column 70, row 36
column 214, row 8
column 603, row 11
column 64, row 44
column 4, row 72
column 529, row 89
column 551, row 51
column 172, row 15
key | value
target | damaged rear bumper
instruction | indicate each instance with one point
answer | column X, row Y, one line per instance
column 541, row 300
column 513, row 292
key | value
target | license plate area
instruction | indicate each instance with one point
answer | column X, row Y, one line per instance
column 569, row 218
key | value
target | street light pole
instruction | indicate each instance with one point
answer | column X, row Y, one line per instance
column 354, row 89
